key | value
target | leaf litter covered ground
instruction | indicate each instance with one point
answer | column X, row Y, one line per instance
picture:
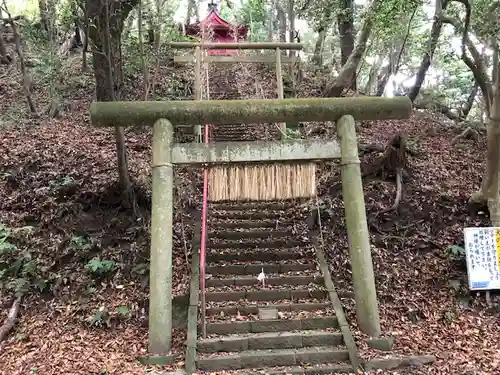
column 59, row 177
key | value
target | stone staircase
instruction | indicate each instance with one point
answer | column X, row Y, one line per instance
column 294, row 324
column 247, row 132
column 288, row 326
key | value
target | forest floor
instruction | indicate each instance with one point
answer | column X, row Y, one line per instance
column 59, row 177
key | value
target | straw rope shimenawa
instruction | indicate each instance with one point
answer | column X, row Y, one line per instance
column 262, row 182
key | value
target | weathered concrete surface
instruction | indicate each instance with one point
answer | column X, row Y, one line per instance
column 188, row 112
column 256, row 151
column 358, row 236
column 284, row 307
column 270, row 340
column 266, row 295
column 157, row 360
column 271, row 358
column 160, row 268
column 259, row 326
column 176, row 372
column 384, row 344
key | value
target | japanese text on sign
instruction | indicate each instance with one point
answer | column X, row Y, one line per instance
column 482, row 247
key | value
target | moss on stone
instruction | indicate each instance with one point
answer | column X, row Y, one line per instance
column 248, row 111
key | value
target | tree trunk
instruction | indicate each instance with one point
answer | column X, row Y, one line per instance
column 4, row 57
column 156, row 49
column 44, row 15
column 281, row 16
column 85, row 48
column 467, row 106
column 437, row 25
column 270, row 23
column 382, row 79
column 291, row 28
column 317, row 58
column 489, row 191
column 476, row 64
column 26, row 77
column 107, row 61
column 398, row 47
column 345, row 20
column 372, row 76
column 145, row 67
column 335, row 87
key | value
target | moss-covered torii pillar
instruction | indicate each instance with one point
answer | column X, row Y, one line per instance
column 357, row 229
column 218, row 112
column 160, row 268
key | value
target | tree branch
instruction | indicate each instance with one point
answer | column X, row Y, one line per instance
column 476, row 64
column 11, row 320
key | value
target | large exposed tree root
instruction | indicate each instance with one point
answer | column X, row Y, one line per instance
column 393, row 161
column 478, row 202
column 11, row 320
column 468, row 133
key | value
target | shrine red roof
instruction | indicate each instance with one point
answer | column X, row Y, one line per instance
column 214, row 21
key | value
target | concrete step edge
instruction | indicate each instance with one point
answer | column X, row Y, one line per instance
column 270, row 340
column 256, row 268
column 320, row 369
column 265, row 295
column 259, row 326
column 252, row 234
column 274, row 280
column 282, row 307
column 269, row 358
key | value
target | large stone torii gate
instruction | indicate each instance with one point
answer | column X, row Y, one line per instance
column 163, row 116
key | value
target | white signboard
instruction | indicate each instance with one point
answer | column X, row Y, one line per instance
column 482, row 248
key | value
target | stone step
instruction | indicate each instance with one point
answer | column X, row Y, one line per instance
column 254, row 234
column 270, row 340
column 265, row 295
column 238, row 206
column 270, row 358
column 254, row 309
column 256, row 268
column 278, row 280
column 319, row 369
column 247, row 224
column 253, row 215
column 229, row 138
column 259, row 326
column 270, row 244
column 274, row 255
column 229, row 135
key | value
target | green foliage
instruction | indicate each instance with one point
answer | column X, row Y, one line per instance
column 456, row 251
column 5, row 245
column 254, row 13
column 133, row 64
column 18, row 269
column 293, row 133
column 100, row 267
column 104, row 318
column 81, row 242
column 123, row 311
column 101, row 318
column 485, row 20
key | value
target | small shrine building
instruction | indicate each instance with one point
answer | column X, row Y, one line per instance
column 213, row 28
